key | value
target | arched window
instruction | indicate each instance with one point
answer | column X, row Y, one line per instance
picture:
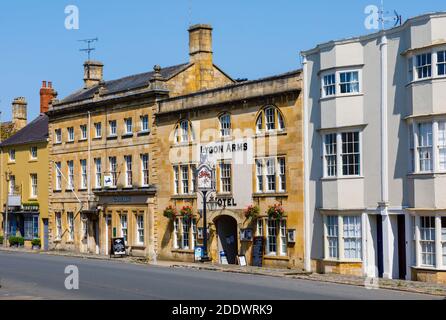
column 270, row 119
column 184, row 132
column 225, row 125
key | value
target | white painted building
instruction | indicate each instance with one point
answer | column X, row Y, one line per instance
column 375, row 126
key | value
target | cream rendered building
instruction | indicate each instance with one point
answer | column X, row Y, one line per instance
column 376, row 150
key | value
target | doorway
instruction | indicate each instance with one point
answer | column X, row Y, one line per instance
column 227, row 237
column 46, row 235
column 402, row 246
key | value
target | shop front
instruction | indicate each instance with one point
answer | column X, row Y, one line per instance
column 23, row 223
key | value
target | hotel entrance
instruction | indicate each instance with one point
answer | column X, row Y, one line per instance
column 227, row 237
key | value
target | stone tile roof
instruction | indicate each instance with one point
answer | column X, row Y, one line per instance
column 36, row 131
column 124, row 84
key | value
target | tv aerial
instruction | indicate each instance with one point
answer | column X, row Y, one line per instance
column 386, row 17
column 89, row 48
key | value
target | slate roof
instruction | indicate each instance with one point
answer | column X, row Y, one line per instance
column 124, row 84
column 36, row 131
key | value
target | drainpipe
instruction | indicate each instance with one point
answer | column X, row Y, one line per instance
column 386, row 223
column 306, row 147
column 89, row 161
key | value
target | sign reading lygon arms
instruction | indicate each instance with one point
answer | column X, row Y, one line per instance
column 232, row 160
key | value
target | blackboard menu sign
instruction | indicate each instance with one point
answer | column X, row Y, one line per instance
column 257, row 252
column 118, row 247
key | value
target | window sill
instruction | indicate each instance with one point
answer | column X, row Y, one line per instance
column 343, row 261
column 127, row 136
column 33, row 160
column 81, row 140
column 342, row 178
column 271, row 194
column 280, row 258
column 82, row 189
column 184, row 196
column 425, row 174
column 426, row 80
column 143, row 133
column 273, row 133
column 112, row 137
column 57, row 191
column 185, row 251
column 57, row 143
column 341, row 95
column 69, row 142
column 97, row 138
column 428, row 268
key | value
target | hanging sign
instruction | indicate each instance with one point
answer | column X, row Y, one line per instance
column 204, row 178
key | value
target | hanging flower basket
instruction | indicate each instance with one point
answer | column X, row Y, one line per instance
column 276, row 212
column 186, row 212
column 251, row 212
column 170, row 212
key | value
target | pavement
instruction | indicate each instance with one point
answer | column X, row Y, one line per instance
column 303, row 285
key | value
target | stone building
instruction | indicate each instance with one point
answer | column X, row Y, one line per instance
column 103, row 146
column 24, row 174
column 252, row 134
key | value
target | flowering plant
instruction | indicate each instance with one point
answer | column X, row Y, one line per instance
column 251, row 212
column 170, row 212
column 186, row 212
column 276, row 212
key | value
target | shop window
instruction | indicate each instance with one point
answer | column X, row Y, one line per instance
column 31, row 227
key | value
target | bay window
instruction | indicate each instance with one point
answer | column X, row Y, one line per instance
column 427, row 240
column 342, row 154
column 442, row 145
column 329, row 85
column 441, row 63
column 343, row 237
column 424, row 65
column 429, row 143
column 349, row 82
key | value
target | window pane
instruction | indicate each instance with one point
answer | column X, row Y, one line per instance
column 333, row 237
column 331, row 155
column 427, row 240
column 350, row 154
column 349, row 82
column 352, row 237
column 425, row 146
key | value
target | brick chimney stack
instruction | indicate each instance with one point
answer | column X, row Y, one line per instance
column 47, row 94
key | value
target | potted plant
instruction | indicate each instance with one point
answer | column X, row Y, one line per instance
column 276, row 212
column 186, row 212
column 251, row 212
column 170, row 212
column 13, row 241
column 20, row 241
column 36, row 243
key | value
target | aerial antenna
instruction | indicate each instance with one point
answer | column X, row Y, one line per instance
column 190, row 13
column 89, row 48
column 384, row 17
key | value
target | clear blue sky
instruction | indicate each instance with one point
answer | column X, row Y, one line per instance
column 252, row 38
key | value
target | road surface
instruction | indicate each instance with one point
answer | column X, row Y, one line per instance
column 34, row 276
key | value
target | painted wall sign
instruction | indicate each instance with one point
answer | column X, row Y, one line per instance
column 122, row 199
column 226, row 202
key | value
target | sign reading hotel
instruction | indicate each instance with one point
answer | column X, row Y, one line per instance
column 239, row 153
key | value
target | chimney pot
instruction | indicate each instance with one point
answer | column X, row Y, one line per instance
column 47, row 94
column 43, row 84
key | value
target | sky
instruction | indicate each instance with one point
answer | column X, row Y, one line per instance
column 252, row 38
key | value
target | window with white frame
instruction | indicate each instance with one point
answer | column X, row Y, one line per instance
column 225, row 125
column 58, row 176
column 31, row 226
column 123, row 226
column 330, row 155
column 83, row 174
column 128, row 171
column 348, row 156
column 329, row 85
column 193, row 172
column 58, row 218
column 113, row 170
column 185, row 179
column 271, row 175
column 259, row 230
column 70, row 166
column 441, row 63
column 140, row 229
column 70, row 132
column 83, row 128
column 128, row 126
column 176, row 177
column 98, row 173
column 84, row 227
column 276, row 240
column 33, row 179
column 98, row 130
column 349, row 82
column 425, row 146
column 427, row 241
column 185, row 233
column 58, row 136
column 332, row 237
column 145, row 170
column 270, row 119
column 12, row 185
column 259, row 174
column 113, row 128
column 144, row 123
column 11, row 155
column 442, row 145
column 70, row 224
column 343, row 232
column 424, row 65
column 225, row 178
column 33, row 153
